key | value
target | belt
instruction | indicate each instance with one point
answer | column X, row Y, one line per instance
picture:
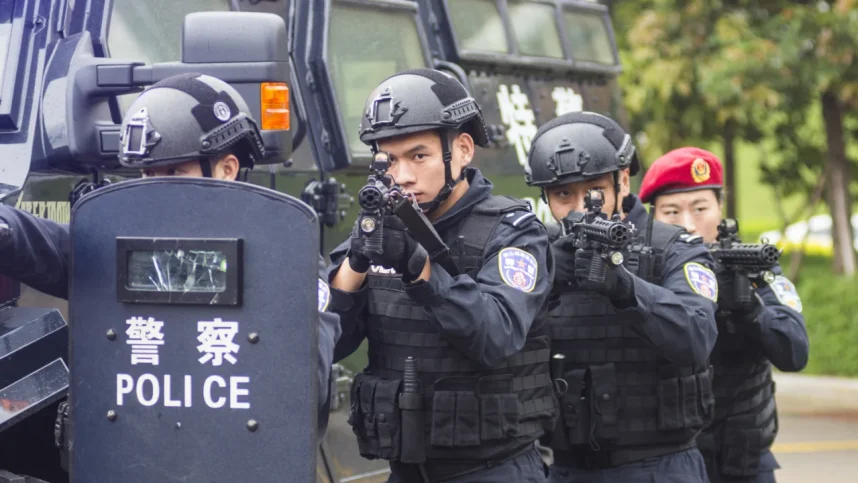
column 438, row 471
column 586, row 459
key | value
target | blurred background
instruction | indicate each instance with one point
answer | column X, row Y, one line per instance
column 771, row 87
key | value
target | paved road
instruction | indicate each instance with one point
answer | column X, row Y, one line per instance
column 810, row 449
column 818, row 448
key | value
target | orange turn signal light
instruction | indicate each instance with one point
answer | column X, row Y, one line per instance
column 274, row 105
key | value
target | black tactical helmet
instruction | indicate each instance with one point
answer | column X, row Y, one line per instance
column 421, row 100
column 185, row 117
column 576, row 147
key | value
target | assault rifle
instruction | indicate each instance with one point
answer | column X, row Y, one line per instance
column 747, row 261
column 594, row 231
column 381, row 197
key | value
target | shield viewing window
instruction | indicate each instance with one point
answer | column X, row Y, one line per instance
column 179, row 271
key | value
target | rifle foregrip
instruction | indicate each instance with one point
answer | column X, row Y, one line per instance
column 742, row 289
column 375, row 240
column 598, row 269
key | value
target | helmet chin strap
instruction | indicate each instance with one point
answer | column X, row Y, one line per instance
column 617, row 205
column 206, row 167
column 449, row 182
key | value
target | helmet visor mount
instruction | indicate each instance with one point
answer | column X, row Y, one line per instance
column 139, row 136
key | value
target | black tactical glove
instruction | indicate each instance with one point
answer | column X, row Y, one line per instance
column 564, row 261
column 727, row 303
column 358, row 261
column 399, row 251
column 618, row 284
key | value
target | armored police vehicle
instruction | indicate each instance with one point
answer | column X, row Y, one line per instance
column 525, row 62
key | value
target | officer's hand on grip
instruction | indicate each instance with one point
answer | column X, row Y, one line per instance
column 400, row 251
column 358, row 261
column 746, row 312
column 564, row 260
column 617, row 286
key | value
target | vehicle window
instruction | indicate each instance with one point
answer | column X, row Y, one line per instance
column 366, row 46
column 588, row 37
column 150, row 31
column 535, row 29
column 478, row 25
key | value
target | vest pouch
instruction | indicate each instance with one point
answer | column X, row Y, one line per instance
column 387, row 418
column 707, row 395
column 603, row 403
column 375, row 417
column 455, row 413
column 741, row 450
column 499, row 408
column 576, row 411
column 361, row 414
column 680, row 403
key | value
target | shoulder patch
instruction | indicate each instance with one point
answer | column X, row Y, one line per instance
column 786, row 293
column 324, row 295
column 518, row 269
column 518, row 218
column 689, row 238
column 702, row 280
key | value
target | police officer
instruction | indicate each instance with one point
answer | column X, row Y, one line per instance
column 480, row 356
column 163, row 132
column 634, row 380
column 685, row 187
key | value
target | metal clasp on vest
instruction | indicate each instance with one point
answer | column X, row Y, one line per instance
column 558, row 363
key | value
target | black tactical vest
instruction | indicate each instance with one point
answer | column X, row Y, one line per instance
column 746, row 422
column 621, row 395
column 470, row 412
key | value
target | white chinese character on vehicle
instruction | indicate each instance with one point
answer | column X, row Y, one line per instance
column 519, row 119
column 144, row 337
column 566, row 100
column 216, row 341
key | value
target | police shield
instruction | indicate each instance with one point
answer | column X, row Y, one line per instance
column 193, row 340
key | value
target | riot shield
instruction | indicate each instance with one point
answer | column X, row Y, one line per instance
column 193, row 348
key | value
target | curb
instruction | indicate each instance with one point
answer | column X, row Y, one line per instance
column 805, row 395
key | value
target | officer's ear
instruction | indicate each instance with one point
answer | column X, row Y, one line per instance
column 464, row 144
column 226, row 168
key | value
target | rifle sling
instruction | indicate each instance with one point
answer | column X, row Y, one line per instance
column 423, row 231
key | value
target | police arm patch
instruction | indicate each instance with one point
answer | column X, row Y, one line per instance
column 701, row 280
column 786, row 293
column 324, row 295
column 518, row 269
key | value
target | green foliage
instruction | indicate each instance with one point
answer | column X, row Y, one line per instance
column 831, row 316
column 694, row 67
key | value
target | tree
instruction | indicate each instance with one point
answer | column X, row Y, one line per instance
column 697, row 69
column 674, row 88
column 819, row 43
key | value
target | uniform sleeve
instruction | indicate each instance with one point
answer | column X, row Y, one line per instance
column 783, row 333
column 329, row 334
column 36, row 252
column 675, row 317
column 488, row 317
column 348, row 306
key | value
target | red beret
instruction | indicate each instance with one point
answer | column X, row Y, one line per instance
column 683, row 169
